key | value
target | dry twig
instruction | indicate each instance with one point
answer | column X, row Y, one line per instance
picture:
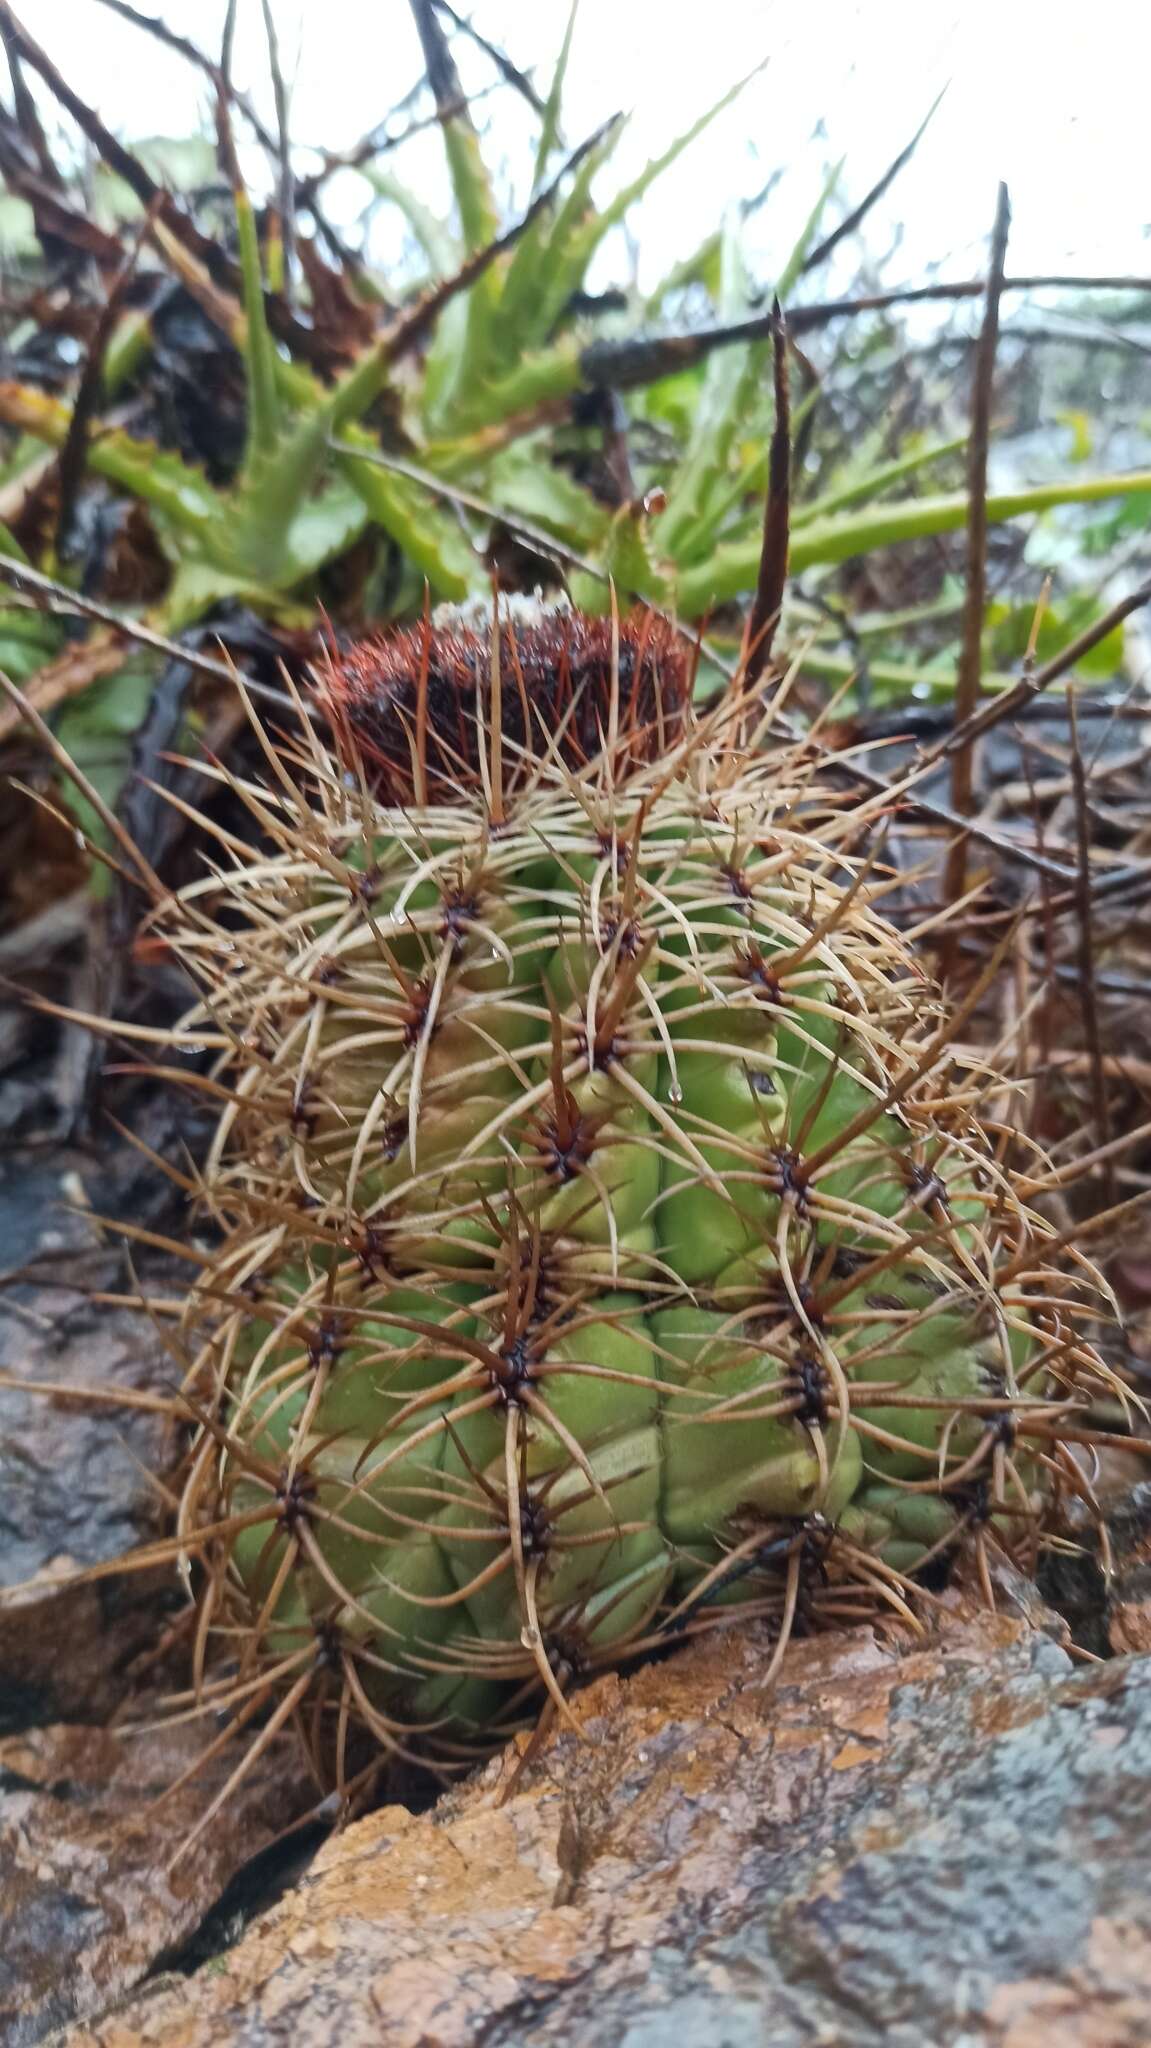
column 971, row 656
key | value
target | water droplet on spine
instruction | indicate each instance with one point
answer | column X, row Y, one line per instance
column 675, row 1094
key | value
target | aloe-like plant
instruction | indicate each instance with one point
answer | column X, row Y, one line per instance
column 480, row 378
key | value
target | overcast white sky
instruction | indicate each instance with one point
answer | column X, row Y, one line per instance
column 1052, row 97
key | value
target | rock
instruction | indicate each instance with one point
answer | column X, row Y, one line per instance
column 1129, row 1601
column 87, row 1899
column 87, row 1903
column 74, row 1484
column 944, row 1844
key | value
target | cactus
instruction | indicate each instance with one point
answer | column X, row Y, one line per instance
column 609, row 1244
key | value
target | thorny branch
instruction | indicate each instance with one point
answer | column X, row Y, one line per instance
column 975, row 589
column 772, row 578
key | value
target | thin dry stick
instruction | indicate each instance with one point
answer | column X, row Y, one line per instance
column 1086, row 962
column 305, row 191
column 971, row 655
column 439, row 62
column 858, row 214
column 642, row 360
column 153, row 25
column 286, row 195
column 375, row 144
column 48, row 740
column 411, row 327
column 772, row 578
column 509, row 72
column 26, row 578
column 1041, row 678
column 87, row 120
column 27, row 116
column 74, row 453
column 225, row 140
column 299, row 335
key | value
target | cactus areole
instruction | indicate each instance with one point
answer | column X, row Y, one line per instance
column 608, row 1243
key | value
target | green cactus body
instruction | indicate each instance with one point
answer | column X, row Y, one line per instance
column 600, row 1217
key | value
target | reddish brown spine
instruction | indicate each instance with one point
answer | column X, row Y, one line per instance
column 419, row 701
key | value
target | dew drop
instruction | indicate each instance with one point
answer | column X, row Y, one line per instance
column 675, row 1094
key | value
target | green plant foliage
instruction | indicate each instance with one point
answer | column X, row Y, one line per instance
column 97, row 729
column 27, row 641
column 1010, row 628
column 492, row 405
column 731, row 569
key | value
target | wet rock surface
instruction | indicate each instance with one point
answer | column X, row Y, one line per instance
column 944, row 1843
column 1129, row 1602
column 71, row 1486
column 74, row 1484
column 88, row 1894
column 88, row 1901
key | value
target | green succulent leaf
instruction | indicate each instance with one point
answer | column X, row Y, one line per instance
column 732, row 569
column 433, row 541
column 436, row 240
column 536, row 380
column 199, row 584
column 27, row 641
column 681, row 527
column 550, row 124
column 732, row 394
column 98, row 729
column 789, row 276
column 874, row 480
column 1009, row 631
column 703, row 267
column 532, row 284
column 586, row 239
column 525, row 482
column 178, row 492
column 471, row 183
column 10, row 544
column 130, row 343
column 257, row 346
column 891, row 682
column 629, row 567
